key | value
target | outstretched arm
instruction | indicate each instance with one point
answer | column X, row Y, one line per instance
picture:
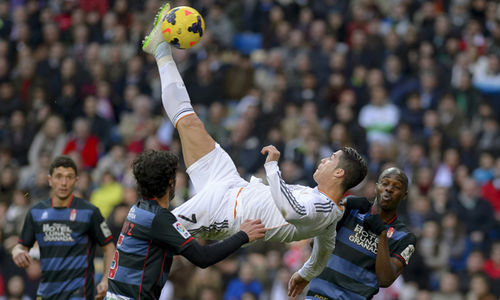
column 322, row 248
column 291, row 209
column 204, row 256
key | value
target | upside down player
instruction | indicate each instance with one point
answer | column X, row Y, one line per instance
column 371, row 249
column 67, row 229
column 151, row 234
column 224, row 199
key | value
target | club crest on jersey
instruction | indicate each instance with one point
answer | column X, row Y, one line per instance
column 72, row 215
column 178, row 226
column 390, row 232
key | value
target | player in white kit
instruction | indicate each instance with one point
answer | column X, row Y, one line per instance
column 223, row 199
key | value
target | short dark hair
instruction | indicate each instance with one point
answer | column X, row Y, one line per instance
column 354, row 166
column 62, row 161
column 401, row 176
column 154, row 170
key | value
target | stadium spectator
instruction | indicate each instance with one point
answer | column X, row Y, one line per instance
column 379, row 117
column 480, row 288
column 51, row 138
column 491, row 190
column 475, row 212
column 474, row 266
column 108, row 195
column 19, row 137
column 83, row 142
column 115, row 162
column 99, row 126
column 245, row 283
column 448, row 288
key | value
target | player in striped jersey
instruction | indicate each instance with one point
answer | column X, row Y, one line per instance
column 371, row 248
column 67, row 230
column 151, row 234
column 224, row 199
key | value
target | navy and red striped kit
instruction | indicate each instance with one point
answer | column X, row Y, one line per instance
column 150, row 237
column 350, row 272
column 67, row 237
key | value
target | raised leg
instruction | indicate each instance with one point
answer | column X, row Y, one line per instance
column 195, row 140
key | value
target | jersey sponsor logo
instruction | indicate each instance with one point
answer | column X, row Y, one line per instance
column 178, row 226
column 407, row 252
column 192, row 220
column 390, row 232
column 364, row 239
column 105, row 229
column 57, row 233
column 72, row 215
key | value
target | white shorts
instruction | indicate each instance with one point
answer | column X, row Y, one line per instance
column 210, row 213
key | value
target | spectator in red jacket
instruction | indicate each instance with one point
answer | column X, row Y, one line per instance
column 491, row 191
column 84, row 143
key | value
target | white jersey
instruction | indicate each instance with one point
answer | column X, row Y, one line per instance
column 293, row 213
column 290, row 212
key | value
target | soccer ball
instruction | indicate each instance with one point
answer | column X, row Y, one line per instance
column 183, row 27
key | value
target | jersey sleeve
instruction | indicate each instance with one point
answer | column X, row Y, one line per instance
column 289, row 206
column 405, row 248
column 99, row 229
column 28, row 237
column 322, row 249
column 167, row 230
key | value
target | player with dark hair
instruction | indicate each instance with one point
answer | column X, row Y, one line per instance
column 224, row 199
column 151, row 234
column 67, row 230
column 371, row 248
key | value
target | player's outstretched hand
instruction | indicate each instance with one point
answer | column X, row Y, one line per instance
column 102, row 287
column 254, row 229
column 360, row 203
column 21, row 258
column 296, row 285
column 272, row 153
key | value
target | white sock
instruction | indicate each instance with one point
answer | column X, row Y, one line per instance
column 163, row 53
column 174, row 95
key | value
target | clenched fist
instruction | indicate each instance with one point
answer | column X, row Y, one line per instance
column 272, row 153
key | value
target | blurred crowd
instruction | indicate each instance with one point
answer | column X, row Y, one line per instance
column 412, row 83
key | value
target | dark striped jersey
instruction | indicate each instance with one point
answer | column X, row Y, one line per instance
column 350, row 272
column 67, row 237
column 150, row 237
